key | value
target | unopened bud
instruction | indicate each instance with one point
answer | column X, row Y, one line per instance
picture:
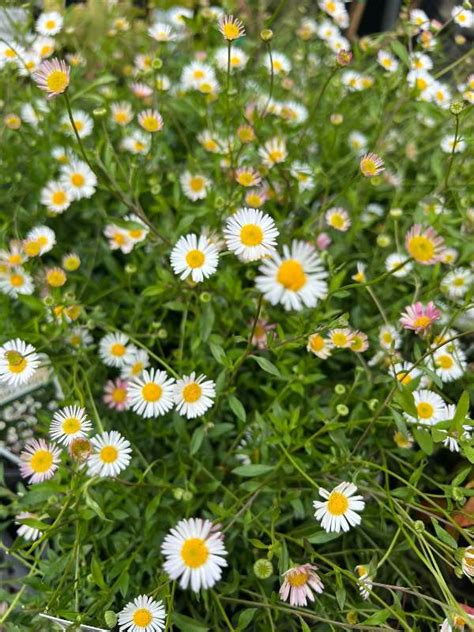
column 263, row 568
column 343, row 58
column 266, row 35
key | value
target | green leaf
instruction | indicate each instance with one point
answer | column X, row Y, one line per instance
column 462, row 410
column 34, row 524
column 401, row 52
column 197, row 439
column 443, row 535
column 321, row 537
column 245, row 618
column 206, row 322
column 304, row 626
column 253, row 470
column 378, row 617
column 187, row 624
column 218, row 353
column 266, row 365
column 92, row 504
column 110, row 618
column 424, row 440
column 406, row 400
column 237, row 408
column 96, row 573
column 461, row 476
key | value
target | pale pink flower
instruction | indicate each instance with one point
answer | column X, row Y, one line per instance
column 53, row 77
column 260, row 335
column 418, row 317
column 299, row 583
column 323, row 241
column 115, row 394
column 424, row 245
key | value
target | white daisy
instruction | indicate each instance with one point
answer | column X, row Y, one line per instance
column 195, row 256
column 56, row 196
column 39, row 240
column 280, row 63
column 451, row 442
column 457, row 282
column 119, row 238
column 193, row 396
column 137, row 143
column 15, row 282
column 387, row 61
column 396, row 260
column 389, row 338
column 196, row 73
column 110, row 454
column 44, row 46
column 39, row 460
column 404, row 372
column 79, row 178
column 238, row 58
column 18, row 362
column 161, row 32
column 321, row 347
column 250, row 234
column 358, row 142
column 121, row 112
column 449, row 366
column 113, row 350
column 151, row 394
column 68, row 424
column 430, row 408
column 136, row 364
column 340, row 508
column 194, row 186
column 194, row 552
column 143, row 614
column 273, row 152
column 452, row 144
column 49, row 23
column 296, row 280
column 82, row 122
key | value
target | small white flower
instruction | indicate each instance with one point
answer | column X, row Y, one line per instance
column 18, row 362
column 143, row 614
column 250, row 234
column 193, row 396
column 113, row 350
column 68, row 424
column 151, row 394
column 110, row 455
column 340, row 508
column 195, row 256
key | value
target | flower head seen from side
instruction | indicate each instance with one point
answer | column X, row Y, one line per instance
column 194, row 256
column 151, row 394
column 143, row 614
column 231, row 28
column 116, row 395
column 250, row 234
column 195, row 553
column 18, row 362
column 111, row 454
column 39, row 460
column 424, row 245
column 365, row 581
column 419, row 318
column 193, row 396
column 297, row 279
column 340, row 509
column 371, row 165
column 30, row 534
column 298, row 585
column 69, row 423
column 467, row 562
column 53, row 77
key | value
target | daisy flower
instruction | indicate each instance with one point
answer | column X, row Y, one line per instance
column 404, row 372
column 231, row 28
column 448, row 365
column 403, row 441
column 273, row 152
column 195, row 552
column 30, row 534
column 79, row 337
column 425, row 246
column 82, row 122
column 452, row 144
column 389, row 338
column 143, row 614
column 396, row 260
column 299, row 583
column 79, row 178
column 56, row 196
column 39, row 240
column 457, row 283
column 52, row 77
column 359, row 276
column 357, row 142
column 210, row 142
column 150, row 120
column 195, row 256
column 140, row 231
column 14, row 256
column 49, row 23
column 462, row 17
column 16, row 282
column 141, row 90
column 261, row 333
column 195, row 74
column 359, row 342
column 340, row 508
column 296, row 280
column 255, row 198
column 238, row 59
column 338, row 218
column 71, row 262
column 304, row 174
column 365, row 581
column 320, row 346
column 68, row 424
column 194, row 186
column 250, row 234
column 161, row 32
column 119, row 238
column 371, row 165
column 193, row 396
column 440, row 95
column 467, row 562
column 39, row 460
column 121, row 112
column 55, row 277
column 110, row 454
column 247, row 177
column 18, row 362
column 44, row 46
column 419, row 18
column 116, row 395
column 387, row 61
column 340, row 338
column 151, row 394
column 420, row 61
column 430, row 408
column 29, row 64
column 135, row 364
column 419, row 318
column 11, row 53
column 113, row 350
column 137, row 143
column 280, row 63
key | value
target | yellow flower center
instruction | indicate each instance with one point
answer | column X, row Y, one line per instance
column 15, row 259
column 9, row 52
column 79, row 125
column 56, row 278
column 71, row 425
column 401, row 440
column 194, row 552
column 109, row 454
column 58, row 198
column 198, row 74
column 151, row 392
column 368, row 167
column 119, row 239
column 424, row 410
column 191, row 393
column 251, row 235
column 135, row 233
column 117, row 349
column 72, row 263
column 458, row 282
column 444, row 361
column 422, row 322
column 196, row 183
column 73, row 311
column 230, row 31
column 291, row 275
column 119, row 395
column 50, row 24
column 16, row 280
column 337, row 504
column 421, row 248
column 337, row 221
column 254, row 200
column 121, row 117
column 297, row 578
column 78, row 179
column 404, row 377
column 41, row 461
column 277, row 65
column 316, row 342
column 151, row 123
column 137, row 368
column 339, row 339
column 246, row 178
column 46, row 50
column 195, row 259
column 421, row 84
column 75, row 340
column 57, row 81
column 142, row 617
column 276, row 155
column 16, row 362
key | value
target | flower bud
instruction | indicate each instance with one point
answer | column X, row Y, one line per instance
column 456, row 108
column 263, row 568
column 342, row 410
column 383, row 241
column 80, row 449
column 419, row 526
column 340, row 389
column 266, row 35
column 396, row 212
column 157, row 63
column 343, row 58
column 99, row 112
column 205, row 297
